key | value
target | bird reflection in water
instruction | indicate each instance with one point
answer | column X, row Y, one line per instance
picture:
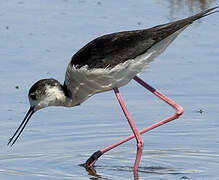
column 95, row 176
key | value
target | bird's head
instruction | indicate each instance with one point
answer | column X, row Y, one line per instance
column 44, row 93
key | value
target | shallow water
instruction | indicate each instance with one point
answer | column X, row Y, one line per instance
column 37, row 40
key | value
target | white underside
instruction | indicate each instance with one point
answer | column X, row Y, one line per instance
column 86, row 82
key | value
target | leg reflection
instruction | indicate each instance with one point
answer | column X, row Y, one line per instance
column 135, row 173
column 92, row 172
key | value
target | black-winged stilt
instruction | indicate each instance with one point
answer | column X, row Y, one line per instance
column 108, row 63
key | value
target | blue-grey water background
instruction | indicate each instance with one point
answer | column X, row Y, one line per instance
column 37, row 40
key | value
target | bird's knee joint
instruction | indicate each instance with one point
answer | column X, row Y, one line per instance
column 179, row 111
column 140, row 144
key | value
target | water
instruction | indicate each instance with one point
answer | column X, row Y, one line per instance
column 37, row 40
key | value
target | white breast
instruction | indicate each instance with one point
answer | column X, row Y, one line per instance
column 86, row 82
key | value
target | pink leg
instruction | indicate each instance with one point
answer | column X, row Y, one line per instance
column 140, row 142
column 179, row 111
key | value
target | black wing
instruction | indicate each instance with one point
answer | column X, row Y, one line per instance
column 109, row 50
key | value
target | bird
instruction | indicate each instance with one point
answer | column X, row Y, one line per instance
column 108, row 63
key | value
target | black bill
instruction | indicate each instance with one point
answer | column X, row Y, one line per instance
column 18, row 132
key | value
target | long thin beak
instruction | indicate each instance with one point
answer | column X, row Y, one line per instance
column 18, row 132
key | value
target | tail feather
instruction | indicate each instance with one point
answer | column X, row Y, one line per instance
column 162, row 31
column 202, row 14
